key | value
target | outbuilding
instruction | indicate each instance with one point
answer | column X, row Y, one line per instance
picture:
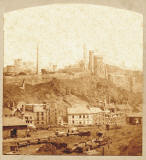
column 134, row 118
column 14, row 127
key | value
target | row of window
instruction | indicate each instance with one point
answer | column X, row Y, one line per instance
column 81, row 122
column 40, row 122
column 81, row 116
column 28, row 118
column 40, row 118
column 28, row 121
column 42, row 113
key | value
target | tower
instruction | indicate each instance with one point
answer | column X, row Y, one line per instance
column 91, row 61
column 85, row 58
column 100, row 67
column 95, row 64
column 37, row 64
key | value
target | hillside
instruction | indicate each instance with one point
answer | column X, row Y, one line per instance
column 88, row 89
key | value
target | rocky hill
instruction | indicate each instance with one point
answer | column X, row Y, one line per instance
column 90, row 90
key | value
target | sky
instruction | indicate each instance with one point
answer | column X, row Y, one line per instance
column 60, row 31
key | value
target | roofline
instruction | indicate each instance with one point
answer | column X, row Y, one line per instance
column 14, row 125
column 35, row 104
column 83, row 113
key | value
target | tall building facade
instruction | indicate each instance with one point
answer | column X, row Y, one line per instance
column 95, row 64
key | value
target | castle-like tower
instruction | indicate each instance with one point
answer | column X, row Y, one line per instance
column 91, row 61
column 85, row 58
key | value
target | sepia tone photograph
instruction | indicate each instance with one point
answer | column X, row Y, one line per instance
column 73, row 81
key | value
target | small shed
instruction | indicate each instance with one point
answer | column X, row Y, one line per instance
column 14, row 127
column 134, row 118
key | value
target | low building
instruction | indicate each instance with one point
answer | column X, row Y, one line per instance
column 134, row 118
column 80, row 115
column 14, row 127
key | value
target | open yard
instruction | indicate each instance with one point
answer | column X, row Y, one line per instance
column 125, row 141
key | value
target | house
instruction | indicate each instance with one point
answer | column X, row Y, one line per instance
column 134, row 118
column 14, row 127
column 80, row 115
column 98, row 115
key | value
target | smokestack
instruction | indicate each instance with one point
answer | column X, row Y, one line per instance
column 37, row 64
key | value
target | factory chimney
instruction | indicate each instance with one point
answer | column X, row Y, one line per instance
column 37, row 64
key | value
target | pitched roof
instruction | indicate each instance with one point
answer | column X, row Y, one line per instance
column 139, row 114
column 79, row 109
column 13, row 121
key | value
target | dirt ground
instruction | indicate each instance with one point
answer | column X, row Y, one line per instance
column 126, row 141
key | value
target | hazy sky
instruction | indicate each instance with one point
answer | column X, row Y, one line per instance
column 61, row 30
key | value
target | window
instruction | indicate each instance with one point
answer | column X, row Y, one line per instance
column 42, row 113
column 83, row 116
column 80, row 116
column 30, row 117
column 42, row 122
column 80, row 122
column 37, row 118
column 73, row 122
column 73, row 116
column 30, row 121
